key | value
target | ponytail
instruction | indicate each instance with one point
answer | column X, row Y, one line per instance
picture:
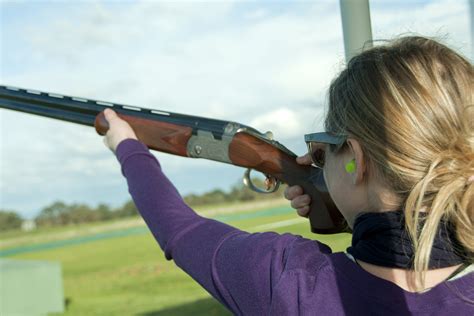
column 410, row 104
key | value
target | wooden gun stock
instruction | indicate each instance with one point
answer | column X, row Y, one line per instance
column 251, row 152
column 160, row 136
column 245, row 150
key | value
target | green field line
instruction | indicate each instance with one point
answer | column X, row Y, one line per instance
column 132, row 231
column 242, row 216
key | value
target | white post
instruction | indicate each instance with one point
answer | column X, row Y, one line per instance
column 356, row 27
column 471, row 4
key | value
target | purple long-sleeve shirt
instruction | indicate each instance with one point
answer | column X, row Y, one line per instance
column 269, row 273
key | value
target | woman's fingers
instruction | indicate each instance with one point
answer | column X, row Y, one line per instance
column 292, row 192
column 303, row 211
column 304, row 160
column 118, row 131
column 110, row 115
column 301, row 201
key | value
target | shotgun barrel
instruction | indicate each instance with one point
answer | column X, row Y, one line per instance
column 195, row 137
column 85, row 111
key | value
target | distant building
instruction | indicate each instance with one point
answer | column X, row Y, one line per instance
column 28, row 225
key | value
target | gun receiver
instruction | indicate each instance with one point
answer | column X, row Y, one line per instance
column 194, row 137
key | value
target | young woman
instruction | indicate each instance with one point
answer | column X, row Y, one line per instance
column 398, row 160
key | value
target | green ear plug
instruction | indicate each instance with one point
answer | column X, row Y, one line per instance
column 351, row 166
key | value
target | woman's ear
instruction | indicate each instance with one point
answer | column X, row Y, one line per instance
column 356, row 153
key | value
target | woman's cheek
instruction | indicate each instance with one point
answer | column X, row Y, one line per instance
column 338, row 191
column 328, row 179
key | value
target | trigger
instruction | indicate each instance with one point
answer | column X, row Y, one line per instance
column 270, row 182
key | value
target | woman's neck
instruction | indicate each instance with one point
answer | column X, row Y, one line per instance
column 405, row 278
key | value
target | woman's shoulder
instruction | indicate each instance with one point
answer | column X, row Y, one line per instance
column 321, row 277
column 306, row 254
column 455, row 294
column 345, row 265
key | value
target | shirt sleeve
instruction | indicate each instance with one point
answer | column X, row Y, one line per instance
column 238, row 268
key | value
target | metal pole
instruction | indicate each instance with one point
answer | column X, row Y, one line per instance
column 471, row 3
column 356, row 28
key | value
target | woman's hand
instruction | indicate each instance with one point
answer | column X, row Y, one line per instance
column 118, row 130
column 295, row 194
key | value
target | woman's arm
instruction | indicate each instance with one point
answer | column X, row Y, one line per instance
column 229, row 263
column 238, row 268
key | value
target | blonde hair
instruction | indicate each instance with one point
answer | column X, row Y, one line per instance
column 410, row 104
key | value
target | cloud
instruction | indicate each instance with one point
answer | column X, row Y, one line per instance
column 289, row 123
column 264, row 65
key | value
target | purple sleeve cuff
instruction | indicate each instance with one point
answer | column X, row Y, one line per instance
column 130, row 147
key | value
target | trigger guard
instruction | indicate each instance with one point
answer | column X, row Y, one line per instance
column 248, row 183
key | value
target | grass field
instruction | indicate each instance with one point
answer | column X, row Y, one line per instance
column 119, row 269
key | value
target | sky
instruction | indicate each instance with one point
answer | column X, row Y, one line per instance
column 267, row 64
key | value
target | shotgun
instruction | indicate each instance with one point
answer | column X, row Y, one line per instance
column 194, row 137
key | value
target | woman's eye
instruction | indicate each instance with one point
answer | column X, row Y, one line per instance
column 318, row 157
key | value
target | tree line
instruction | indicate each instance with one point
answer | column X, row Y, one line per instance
column 59, row 213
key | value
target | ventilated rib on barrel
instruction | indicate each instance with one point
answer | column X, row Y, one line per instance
column 195, row 137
